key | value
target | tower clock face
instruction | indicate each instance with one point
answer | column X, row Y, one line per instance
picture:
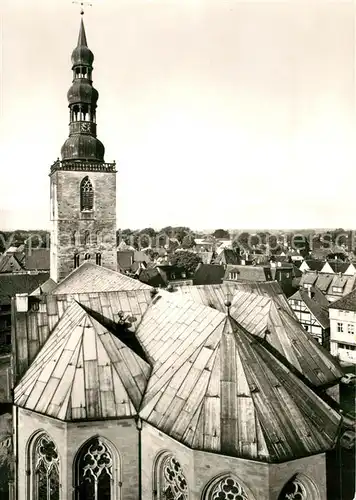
column 85, row 127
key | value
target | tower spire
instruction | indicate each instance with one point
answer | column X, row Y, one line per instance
column 82, row 38
column 82, row 143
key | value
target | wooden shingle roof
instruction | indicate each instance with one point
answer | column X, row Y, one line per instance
column 264, row 311
column 186, row 368
column 92, row 278
column 83, row 372
column 215, row 387
column 37, row 325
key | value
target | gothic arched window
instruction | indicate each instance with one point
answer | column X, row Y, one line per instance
column 86, row 194
column 299, row 487
column 170, row 480
column 226, row 487
column 45, row 469
column 95, row 470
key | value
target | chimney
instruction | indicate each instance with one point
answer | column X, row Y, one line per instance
column 21, row 302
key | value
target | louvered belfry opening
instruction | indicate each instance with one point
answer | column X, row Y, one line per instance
column 86, row 195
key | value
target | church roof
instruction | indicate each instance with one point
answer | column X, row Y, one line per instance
column 41, row 321
column 89, row 277
column 214, row 386
column 264, row 311
column 186, row 368
column 83, row 372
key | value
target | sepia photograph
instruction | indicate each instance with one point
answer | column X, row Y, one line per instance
column 177, row 250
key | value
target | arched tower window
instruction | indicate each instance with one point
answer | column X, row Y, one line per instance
column 226, row 487
column 299, row 487
column 86, row 194
column 86, row 238
column 170, row 481
column 95, row 472
column 44, row 465
column 74, row 238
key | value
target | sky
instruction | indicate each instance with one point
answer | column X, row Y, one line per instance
column 219, row 113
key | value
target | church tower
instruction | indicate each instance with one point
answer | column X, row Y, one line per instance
column 83, row 185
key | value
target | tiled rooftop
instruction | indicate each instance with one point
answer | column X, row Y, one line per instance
column 83, row 372
column 90, row 277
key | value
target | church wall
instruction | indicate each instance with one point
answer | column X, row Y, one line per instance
column 30, row 423
column 155, row 442
column 68, row 218
column 262, row 481
column 313, row 467
column 252, row 475
column 69, row 438
column 198, row 467
column 68, row 193
column 123, row 434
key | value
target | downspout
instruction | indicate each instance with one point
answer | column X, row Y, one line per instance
column 14, row 493
column 139, row 428
column 14, row 482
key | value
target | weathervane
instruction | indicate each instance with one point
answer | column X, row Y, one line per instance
column 82, row 4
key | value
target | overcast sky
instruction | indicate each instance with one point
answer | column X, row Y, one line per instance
column 219, row 113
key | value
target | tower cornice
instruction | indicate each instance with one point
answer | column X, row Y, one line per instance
column 83, row 166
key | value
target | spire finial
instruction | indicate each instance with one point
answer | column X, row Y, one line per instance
column 82, row 4
column 227, row 302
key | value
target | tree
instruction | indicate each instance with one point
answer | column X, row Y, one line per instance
column 221, row 234
column 186, row 260
column 188, row 241
column 236, row 246
column 244, row 240
column 149, row 231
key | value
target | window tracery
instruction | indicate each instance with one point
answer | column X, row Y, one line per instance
column 95, row 472
column 86, row 194
column 294, row 490
column 228, row 489
column 172, row 484
column 46, row 467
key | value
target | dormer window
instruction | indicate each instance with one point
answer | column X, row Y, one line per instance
column 76, row 260
column 86, row 195
column 98, row 259
column 87, row 256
